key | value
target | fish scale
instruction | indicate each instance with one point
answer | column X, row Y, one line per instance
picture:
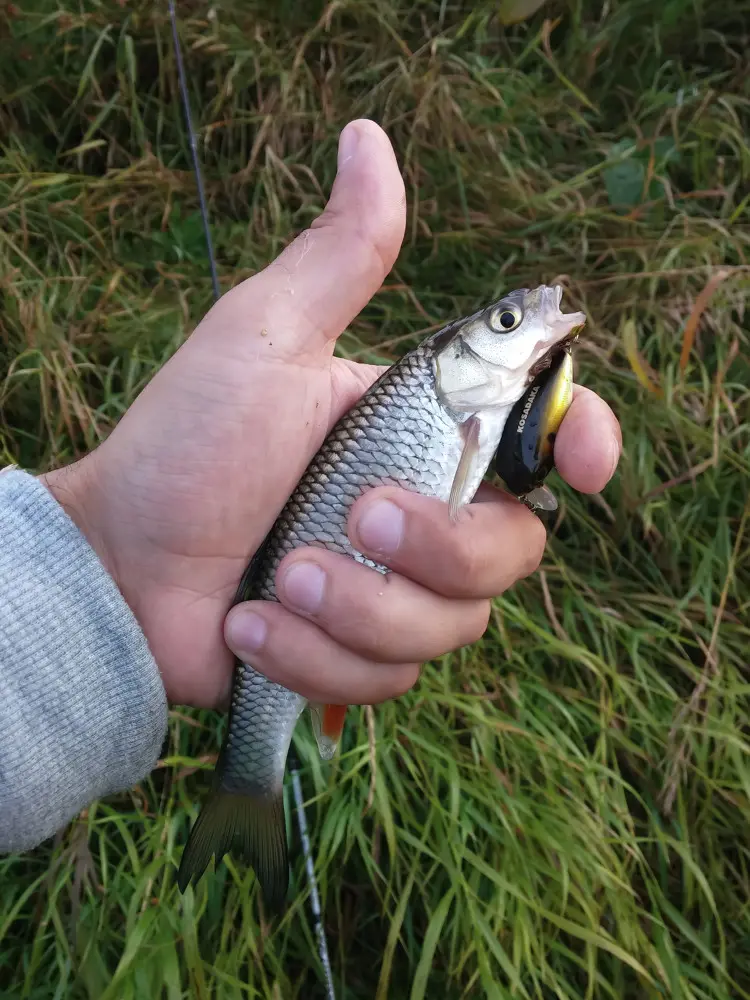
column 398, row 434
column 406, row 431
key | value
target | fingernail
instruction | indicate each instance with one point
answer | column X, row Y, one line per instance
column 381, row 528
column 245, row 632
column 614, row 452
column 303, row 585
column 348, row 142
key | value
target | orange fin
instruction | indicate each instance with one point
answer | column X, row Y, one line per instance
column 328, row 724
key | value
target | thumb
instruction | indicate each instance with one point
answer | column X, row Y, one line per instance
column 311, row 292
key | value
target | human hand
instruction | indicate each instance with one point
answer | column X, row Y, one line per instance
column 186, row 487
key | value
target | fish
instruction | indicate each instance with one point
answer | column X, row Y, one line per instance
column 525, row 455
column 431, row 424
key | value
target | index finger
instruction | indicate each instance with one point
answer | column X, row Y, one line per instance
column 478, row 555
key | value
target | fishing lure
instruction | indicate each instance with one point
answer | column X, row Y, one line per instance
column 525, row 455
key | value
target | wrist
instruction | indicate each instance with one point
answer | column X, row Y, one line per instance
column 74, row 489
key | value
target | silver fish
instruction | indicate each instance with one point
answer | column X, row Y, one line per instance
column 431, row 424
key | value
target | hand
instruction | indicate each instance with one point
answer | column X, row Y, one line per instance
column 183, row 491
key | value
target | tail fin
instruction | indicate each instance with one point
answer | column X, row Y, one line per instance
column 250, row 827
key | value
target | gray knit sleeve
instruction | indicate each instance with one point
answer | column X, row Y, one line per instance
column 83, row 711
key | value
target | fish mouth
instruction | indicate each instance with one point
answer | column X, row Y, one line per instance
column 563, row 327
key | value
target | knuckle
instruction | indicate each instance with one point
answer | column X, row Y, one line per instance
column 477, row 618
column 469, row 563
column 369, row 246
column 404, row 679
column 368, row 635
column 377, row 627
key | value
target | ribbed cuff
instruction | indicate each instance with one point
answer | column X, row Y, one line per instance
column 83, row 712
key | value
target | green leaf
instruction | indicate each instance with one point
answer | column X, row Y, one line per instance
column 624, row 182
column 429, row 944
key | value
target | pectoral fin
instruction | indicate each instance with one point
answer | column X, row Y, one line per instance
column 470, row 431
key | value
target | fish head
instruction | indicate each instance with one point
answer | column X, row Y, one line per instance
column 488, row 359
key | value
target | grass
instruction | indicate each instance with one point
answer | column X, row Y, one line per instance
column 562, row 810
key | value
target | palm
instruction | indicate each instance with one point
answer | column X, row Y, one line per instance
column 228, row 438
column 190, row 481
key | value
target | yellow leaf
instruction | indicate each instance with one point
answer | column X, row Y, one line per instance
column 642, row 370
column 49, row 180
column 85, row 147
column 513, row 11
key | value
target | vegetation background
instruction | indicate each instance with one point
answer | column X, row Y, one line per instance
column 562, row 810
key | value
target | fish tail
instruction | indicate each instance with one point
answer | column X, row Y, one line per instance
column 251, row 827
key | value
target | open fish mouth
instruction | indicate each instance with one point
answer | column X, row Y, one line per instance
column 562, row 326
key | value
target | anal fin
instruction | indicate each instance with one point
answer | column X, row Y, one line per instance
column 328, row 725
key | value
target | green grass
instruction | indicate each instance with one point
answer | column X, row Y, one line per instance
column 561, row 811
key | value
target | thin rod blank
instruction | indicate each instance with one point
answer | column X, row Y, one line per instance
column 314, row 897
column 194, row 151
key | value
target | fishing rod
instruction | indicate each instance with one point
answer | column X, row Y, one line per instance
column 293, row 761
column 194, row 152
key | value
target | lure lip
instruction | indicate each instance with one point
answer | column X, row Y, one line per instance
column 566, row 346
column 556, row 351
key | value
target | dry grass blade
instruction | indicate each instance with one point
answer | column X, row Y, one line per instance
column 372, row 748
column 701, row 303
column 560, row 810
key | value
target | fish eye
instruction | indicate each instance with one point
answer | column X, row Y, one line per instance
column 505, row 318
